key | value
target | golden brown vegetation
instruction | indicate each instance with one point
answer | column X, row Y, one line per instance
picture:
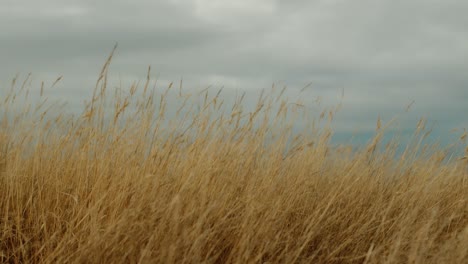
column 122, row 183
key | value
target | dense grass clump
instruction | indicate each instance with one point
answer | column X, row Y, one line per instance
column 128, row 182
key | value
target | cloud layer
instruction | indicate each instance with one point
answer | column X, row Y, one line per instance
column 383, row 53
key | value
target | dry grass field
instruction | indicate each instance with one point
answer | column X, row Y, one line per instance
column 124, row 183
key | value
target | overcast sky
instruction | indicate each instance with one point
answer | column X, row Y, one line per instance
column 383, row 53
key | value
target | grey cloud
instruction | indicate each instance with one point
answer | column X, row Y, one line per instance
column 383, row 53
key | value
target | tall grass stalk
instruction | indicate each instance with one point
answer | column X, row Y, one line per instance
column 125, row 182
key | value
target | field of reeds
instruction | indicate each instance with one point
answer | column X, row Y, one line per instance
column 129, row 181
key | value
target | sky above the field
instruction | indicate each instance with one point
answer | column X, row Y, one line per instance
column 383, row 53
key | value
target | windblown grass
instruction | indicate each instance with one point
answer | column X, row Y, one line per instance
column 123, row 183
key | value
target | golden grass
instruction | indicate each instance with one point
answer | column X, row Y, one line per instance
column 123, row 184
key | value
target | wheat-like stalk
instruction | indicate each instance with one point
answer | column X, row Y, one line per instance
column 214, row 183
